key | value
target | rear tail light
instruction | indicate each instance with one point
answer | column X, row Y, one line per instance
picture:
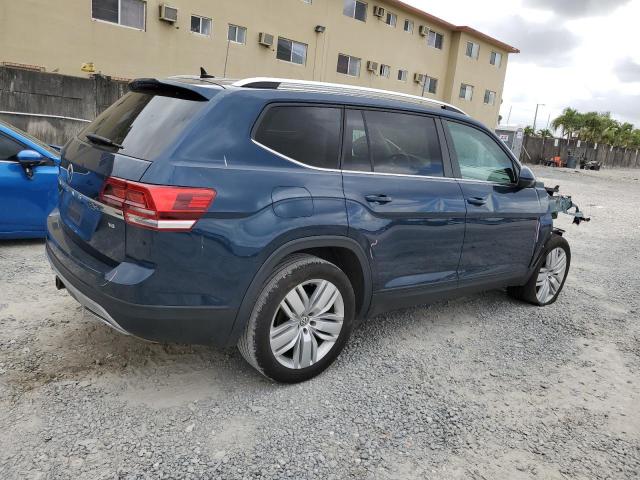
column 157, row 207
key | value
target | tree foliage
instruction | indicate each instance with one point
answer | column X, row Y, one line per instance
column 596, row 127
column 545, row 133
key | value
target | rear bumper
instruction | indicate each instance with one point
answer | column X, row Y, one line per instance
column 171, row 324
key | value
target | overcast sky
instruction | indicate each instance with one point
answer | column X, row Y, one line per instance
column 579, row 53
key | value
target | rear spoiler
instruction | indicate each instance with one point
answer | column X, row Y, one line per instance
column 167, row 88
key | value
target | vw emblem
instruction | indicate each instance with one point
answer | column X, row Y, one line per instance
column 70, row 173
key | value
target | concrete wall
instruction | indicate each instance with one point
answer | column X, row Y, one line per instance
column 58, row 103
column 68, row 37
column 539, row 149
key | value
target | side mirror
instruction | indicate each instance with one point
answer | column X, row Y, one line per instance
column 527, row 179
column 29, row 159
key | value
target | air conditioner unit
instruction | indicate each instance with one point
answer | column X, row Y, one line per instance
column 419, row 78
column 378, row 12
column 168, row 13
column 265, row 39
column 372, row 66
column 424, row 30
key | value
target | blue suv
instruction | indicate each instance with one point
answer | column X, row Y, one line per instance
column 274, row 214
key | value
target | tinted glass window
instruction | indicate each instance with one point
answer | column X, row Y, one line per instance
column 356, row 147
column 479, row 156
column 403, row 143
column 105, row 10
column 9, row 148
column 310, row 135
column 145, row 125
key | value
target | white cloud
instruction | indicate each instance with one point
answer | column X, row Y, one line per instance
column 574, row 53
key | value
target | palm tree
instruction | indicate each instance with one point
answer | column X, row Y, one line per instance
column 528, row 131
column 545, row 133
column 595, row 127
column 569, row 122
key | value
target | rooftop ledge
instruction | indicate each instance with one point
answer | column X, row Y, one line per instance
column 456, row 28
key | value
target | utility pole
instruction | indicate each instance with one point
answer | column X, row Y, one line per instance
column 226, row 59
column 535, row 118
column 509, row 116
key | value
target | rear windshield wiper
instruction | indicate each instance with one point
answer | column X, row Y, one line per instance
column 99, row 139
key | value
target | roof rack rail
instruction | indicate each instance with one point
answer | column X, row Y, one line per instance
column 339, row 89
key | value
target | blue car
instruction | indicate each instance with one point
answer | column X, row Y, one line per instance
column 28, row 183
column 276, row 214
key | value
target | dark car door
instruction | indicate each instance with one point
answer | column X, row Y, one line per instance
column 24, row 202
column 402, row 204
column 502, row 219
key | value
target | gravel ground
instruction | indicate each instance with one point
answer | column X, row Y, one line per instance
column 480, row 388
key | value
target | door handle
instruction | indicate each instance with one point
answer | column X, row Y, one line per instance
column 478, row 201
column 380, row 199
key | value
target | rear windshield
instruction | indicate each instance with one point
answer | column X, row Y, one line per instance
column 145, row 125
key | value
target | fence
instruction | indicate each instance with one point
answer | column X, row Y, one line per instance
column 54, row 107
column 537, row 150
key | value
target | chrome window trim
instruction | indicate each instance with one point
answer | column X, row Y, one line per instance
column 357, row 172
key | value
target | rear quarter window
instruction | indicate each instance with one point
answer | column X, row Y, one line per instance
column 145, row 124
column 307, row 134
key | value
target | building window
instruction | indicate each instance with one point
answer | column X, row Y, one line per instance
column 130, row 13
column 349, row 65
column 431, row 85
column 473, row 50
column 355, row 9
column 307, row 1
column 201, row 25
column 435, row 39
column 385, row 71
column 392, row 19
column 237, row 34
column 402, row 75
column 489, row 97
column 290, row 51
column 466, row 92
column 495, row 59
column 408, row 26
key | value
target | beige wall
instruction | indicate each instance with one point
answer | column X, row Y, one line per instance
column 63, row 38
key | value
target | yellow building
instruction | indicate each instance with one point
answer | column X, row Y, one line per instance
column 381, row 44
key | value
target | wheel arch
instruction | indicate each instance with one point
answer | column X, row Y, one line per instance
column 342, row 251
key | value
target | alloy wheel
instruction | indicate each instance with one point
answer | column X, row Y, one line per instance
column 551, row 275
column 307, row 324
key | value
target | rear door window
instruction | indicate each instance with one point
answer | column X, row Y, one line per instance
column 404, row 143
column 479, row 156
column 307, row 134
column 145, row 124
column 391, row 142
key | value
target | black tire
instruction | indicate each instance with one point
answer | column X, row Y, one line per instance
column 254, row 344
column 527, row 292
